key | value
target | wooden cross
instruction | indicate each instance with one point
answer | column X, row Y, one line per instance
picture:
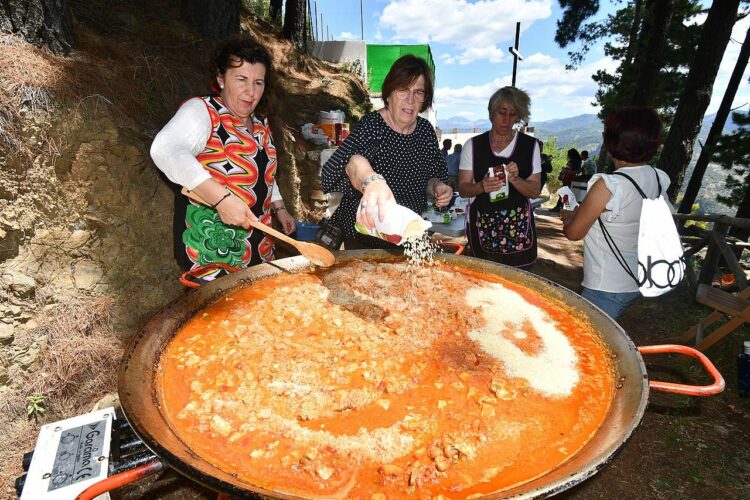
column 516, row 55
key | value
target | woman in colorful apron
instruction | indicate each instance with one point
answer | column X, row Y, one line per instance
column 501, row 228
column 220, row 147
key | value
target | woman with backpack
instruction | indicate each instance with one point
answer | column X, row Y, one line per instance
column 608, row 219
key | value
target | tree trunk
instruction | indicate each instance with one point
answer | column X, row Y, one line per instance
column 44, row 23
column 651, row 56
column 214, row 20
column 294, row 22
column 633, row 36
column 696, row 95
column 696, row 179
column 274, row 12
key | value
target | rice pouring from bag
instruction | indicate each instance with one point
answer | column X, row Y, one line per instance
column 399, row 224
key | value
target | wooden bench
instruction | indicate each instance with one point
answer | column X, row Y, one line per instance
column 733, row 307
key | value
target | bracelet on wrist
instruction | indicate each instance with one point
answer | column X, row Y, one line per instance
column 370, row 179
column 275, row 210
column 222, row 199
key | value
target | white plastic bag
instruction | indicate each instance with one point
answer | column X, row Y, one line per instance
column 568, row 198
column 400, row 224
column 661, row 265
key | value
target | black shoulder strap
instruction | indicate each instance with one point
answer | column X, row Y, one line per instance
column 616, row 251
column 637, row 187
column 640, row 191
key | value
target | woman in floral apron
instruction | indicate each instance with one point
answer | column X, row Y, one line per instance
column 220, row 148
column 502, row 230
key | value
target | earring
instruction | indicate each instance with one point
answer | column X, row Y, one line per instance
column 221, row 86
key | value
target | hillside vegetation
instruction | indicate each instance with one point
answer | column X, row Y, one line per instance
column 86, row 218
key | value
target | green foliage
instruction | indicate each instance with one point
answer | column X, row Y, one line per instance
column 257, row 8
column 35, row 405
column 354, row 67
column 624, row 34
column 733, row 154
column 559, row 157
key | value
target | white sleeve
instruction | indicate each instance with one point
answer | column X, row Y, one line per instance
column 536, row 161
column 614, row 185
column 467, row 157
column 275, row 193
column 177, row 144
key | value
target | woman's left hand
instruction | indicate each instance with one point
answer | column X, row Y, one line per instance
column 512, row 171
column 286, row 220
column 443, row 194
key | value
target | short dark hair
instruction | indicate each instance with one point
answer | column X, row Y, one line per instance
column 584, row 154
column 403, row 73
column 232, row 52
column 633, row 134
column 447, row 143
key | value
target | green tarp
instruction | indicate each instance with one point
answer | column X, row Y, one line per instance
column 380, row 58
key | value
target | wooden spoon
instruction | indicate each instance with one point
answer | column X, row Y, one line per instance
column 315, row 253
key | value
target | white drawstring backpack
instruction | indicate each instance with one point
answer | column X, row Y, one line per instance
column 661, row 264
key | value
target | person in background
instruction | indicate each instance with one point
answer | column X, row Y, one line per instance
column 631, row 137
column 568, row 173
column 546, row 168
column 504, row 230
column 588, row 167
column 220, row 147
column 572, row 167
column 392, row 155
column 453, row 160
column 446, row 147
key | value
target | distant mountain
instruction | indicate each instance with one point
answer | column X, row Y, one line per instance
column 580, row 132
column 585, row 132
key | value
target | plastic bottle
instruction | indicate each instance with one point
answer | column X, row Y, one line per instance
column 743, row 371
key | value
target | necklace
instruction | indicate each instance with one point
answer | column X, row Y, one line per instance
column 498, row 143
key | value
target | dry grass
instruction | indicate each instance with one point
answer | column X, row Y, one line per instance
column 79, row 354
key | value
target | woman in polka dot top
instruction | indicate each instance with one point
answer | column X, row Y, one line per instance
column 392, row 155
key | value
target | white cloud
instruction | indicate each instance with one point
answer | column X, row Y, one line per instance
column 554, row 90
column 475, row 29
column 727, row 67
column 348, row 36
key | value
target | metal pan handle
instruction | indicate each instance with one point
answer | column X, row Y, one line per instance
column 689, row 390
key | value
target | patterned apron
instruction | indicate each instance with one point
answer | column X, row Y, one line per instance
column 244, row 161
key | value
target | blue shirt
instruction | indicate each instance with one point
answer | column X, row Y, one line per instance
column 453, row 160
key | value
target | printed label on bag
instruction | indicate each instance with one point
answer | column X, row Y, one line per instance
column 501, row 173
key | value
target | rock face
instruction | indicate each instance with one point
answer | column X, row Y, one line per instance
column 93, row 220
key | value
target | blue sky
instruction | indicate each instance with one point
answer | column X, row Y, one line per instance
column 470, row 40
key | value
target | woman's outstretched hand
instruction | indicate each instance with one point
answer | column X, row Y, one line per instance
column 376, row 194
column 443, row 194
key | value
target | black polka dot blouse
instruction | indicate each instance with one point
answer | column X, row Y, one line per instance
column 406, row 161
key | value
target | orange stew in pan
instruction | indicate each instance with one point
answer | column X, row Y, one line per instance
column 379, row 380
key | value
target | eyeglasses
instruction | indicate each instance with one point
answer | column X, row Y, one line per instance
column 418, row 95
